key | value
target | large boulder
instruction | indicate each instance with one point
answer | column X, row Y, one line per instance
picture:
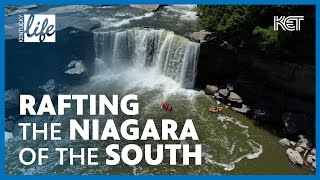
column 304, row 143
column 210, row 90
column 293, row 143
column 149, row 8
column 223, row 92
column 76, row 67
column 49, row 86
column 233, row 97
column 284, row 142
column 294, row 156
column 235, row 100
column 299, row 149
column 202, row 36
column 309, row 160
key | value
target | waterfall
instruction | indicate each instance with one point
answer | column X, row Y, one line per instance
column 172, row 55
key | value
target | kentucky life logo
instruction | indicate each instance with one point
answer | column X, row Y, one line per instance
column 289, row 23
column 37, row 28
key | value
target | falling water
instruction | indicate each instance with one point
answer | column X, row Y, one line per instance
column 172, row 55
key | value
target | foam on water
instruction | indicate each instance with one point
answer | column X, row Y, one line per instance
column 186, row 12
column 118, row 22
column 257, row 149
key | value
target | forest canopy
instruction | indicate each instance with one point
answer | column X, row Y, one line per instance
column 251, row 27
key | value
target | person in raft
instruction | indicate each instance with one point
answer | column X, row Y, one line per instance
column 215, row 109
column 166, row 106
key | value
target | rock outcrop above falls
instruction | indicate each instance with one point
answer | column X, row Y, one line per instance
column 202, row 36
column 149, row 8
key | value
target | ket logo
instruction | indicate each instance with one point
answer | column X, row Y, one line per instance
column 289, row 23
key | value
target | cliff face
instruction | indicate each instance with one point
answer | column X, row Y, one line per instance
column 219, row 63
column 278, row 93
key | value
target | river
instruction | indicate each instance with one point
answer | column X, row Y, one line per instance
column 149, row 54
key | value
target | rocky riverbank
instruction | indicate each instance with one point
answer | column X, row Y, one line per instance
column 281, row 95
column 301, row 152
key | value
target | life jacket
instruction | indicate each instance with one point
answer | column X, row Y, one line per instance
column 166, row 106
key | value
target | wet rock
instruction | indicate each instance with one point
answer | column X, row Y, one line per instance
column 304, row 143
column 233, row 97
column 284, row 142
column 299, row 149
column 294, row 122
column 202, row 36
column 244, row 109
column 210, row 90
column 223, row 92
column 293, row 143
column 217, row 96
column 294, row 156
column 309, row 160
column 76, row 67
column 313, row 151
column 49, row 86
column 149, row 8
column 313, row 157
column 9, row 124
column 12, row 101
column 314, row 164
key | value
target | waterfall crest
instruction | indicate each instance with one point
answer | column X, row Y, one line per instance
column 172, row 55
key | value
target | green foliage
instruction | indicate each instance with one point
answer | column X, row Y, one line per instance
column 251, row 27
column 267, row 38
